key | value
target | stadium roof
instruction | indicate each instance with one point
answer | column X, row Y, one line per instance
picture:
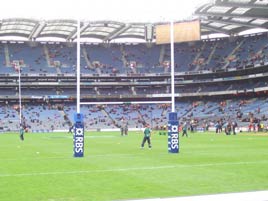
column 233, row 16
column 222, row 16
column 67, row 29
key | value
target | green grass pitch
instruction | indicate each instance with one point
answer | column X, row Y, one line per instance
column 42, row 168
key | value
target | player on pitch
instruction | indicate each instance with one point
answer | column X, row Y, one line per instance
column 21, row 132
column 147, row 137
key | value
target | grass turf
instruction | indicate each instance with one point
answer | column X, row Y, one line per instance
column 115, row 168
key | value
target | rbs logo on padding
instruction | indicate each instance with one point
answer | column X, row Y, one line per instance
column 79, row 141
column 173, row 137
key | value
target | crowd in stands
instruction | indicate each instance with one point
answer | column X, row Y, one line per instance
column 247, row 113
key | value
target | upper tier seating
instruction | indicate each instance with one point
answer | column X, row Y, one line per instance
column 135, row 58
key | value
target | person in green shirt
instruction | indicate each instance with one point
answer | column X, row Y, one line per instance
column 147, row 137
column 184, row 129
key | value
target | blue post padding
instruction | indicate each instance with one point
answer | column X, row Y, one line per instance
column 78, row 117
column 172, row 116
column 78, row 136
column 173, row 133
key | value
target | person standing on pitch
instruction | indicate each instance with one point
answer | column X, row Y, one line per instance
column 184, row 129
column 71, row 129
column 122, row 130
column 147, row 137
column 21, row 132
column 126, row 128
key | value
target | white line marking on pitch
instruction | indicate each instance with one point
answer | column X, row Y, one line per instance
column 245, row 196
column 69, row 157
column 128, row 169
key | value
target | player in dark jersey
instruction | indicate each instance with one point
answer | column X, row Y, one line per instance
column 21, row 132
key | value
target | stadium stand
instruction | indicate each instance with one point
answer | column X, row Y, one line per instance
column 204, row 71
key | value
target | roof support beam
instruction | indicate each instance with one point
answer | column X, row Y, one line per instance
column 218, row 30
column 117, row 32
column 234, row 23
column 241, row 5
column 230, row 15
column 37, row 30
column 73, row 34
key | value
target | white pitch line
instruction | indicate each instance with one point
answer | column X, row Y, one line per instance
column 84, row 171
column 241, row 196
column 128, row 169
column 69, row 157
